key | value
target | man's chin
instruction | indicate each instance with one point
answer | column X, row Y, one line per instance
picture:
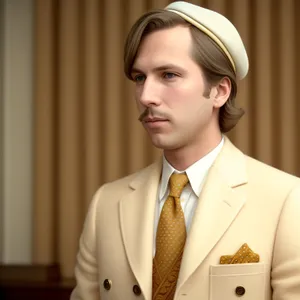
column 163, row 144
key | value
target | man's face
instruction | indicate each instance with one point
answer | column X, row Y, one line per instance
column 170, row 85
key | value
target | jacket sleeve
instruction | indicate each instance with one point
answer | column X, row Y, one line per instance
column 286, row 258
column 86, row 269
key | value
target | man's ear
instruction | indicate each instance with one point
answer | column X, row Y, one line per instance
column 221, row 92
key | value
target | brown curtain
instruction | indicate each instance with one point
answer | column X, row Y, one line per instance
column 86, row 128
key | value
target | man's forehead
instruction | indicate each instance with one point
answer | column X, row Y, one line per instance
column 171, row 34
column 158, row 68
column 163, row 46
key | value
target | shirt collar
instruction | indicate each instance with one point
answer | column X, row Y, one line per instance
column 196, row 172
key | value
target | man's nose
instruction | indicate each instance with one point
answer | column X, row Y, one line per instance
column 149, row 94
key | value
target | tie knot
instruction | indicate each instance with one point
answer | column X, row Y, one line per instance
column 177, row 182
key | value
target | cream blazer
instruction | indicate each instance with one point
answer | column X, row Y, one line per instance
column 242, row 201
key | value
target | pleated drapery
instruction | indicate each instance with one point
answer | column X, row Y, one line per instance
column 86, row 128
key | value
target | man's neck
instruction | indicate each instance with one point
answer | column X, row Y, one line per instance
column 184, row 157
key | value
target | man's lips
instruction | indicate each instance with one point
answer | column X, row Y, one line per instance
column 153, row 123
column 152, row 120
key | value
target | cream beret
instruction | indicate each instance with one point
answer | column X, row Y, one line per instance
column 218, row 28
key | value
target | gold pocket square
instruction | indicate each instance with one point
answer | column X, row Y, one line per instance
column 242, row 256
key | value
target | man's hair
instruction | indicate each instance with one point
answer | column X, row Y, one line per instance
column 205, row 52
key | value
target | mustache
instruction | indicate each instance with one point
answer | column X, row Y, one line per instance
column 151, row 112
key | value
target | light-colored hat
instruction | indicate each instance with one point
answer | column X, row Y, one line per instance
column 218, row 28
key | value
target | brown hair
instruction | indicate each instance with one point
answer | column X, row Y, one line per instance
column 206, row 53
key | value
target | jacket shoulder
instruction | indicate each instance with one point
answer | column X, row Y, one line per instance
column 116, row 188
column 134, row 177
column 267, row 174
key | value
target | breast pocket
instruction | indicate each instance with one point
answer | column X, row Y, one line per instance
column 238, row 281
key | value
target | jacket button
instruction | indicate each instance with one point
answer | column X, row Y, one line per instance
column 107, row 284
column 137, row 290
column 240, row 291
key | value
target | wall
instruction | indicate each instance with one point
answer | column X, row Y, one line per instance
column 16, row 131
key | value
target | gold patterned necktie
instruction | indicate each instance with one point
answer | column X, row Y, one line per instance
column 170, row 241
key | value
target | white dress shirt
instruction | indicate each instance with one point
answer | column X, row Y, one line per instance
column 196, row 174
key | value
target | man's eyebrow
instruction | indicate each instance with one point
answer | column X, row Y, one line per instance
column 160, row 68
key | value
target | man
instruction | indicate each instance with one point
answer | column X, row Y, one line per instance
column 205, row 221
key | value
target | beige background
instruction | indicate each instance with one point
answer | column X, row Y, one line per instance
column 16, row 140
column 85, row 128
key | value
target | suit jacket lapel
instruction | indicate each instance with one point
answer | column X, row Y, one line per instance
column 218, row 205
column 137, row 213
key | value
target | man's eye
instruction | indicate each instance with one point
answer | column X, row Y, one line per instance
column 169, row 75
column 139, row 78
